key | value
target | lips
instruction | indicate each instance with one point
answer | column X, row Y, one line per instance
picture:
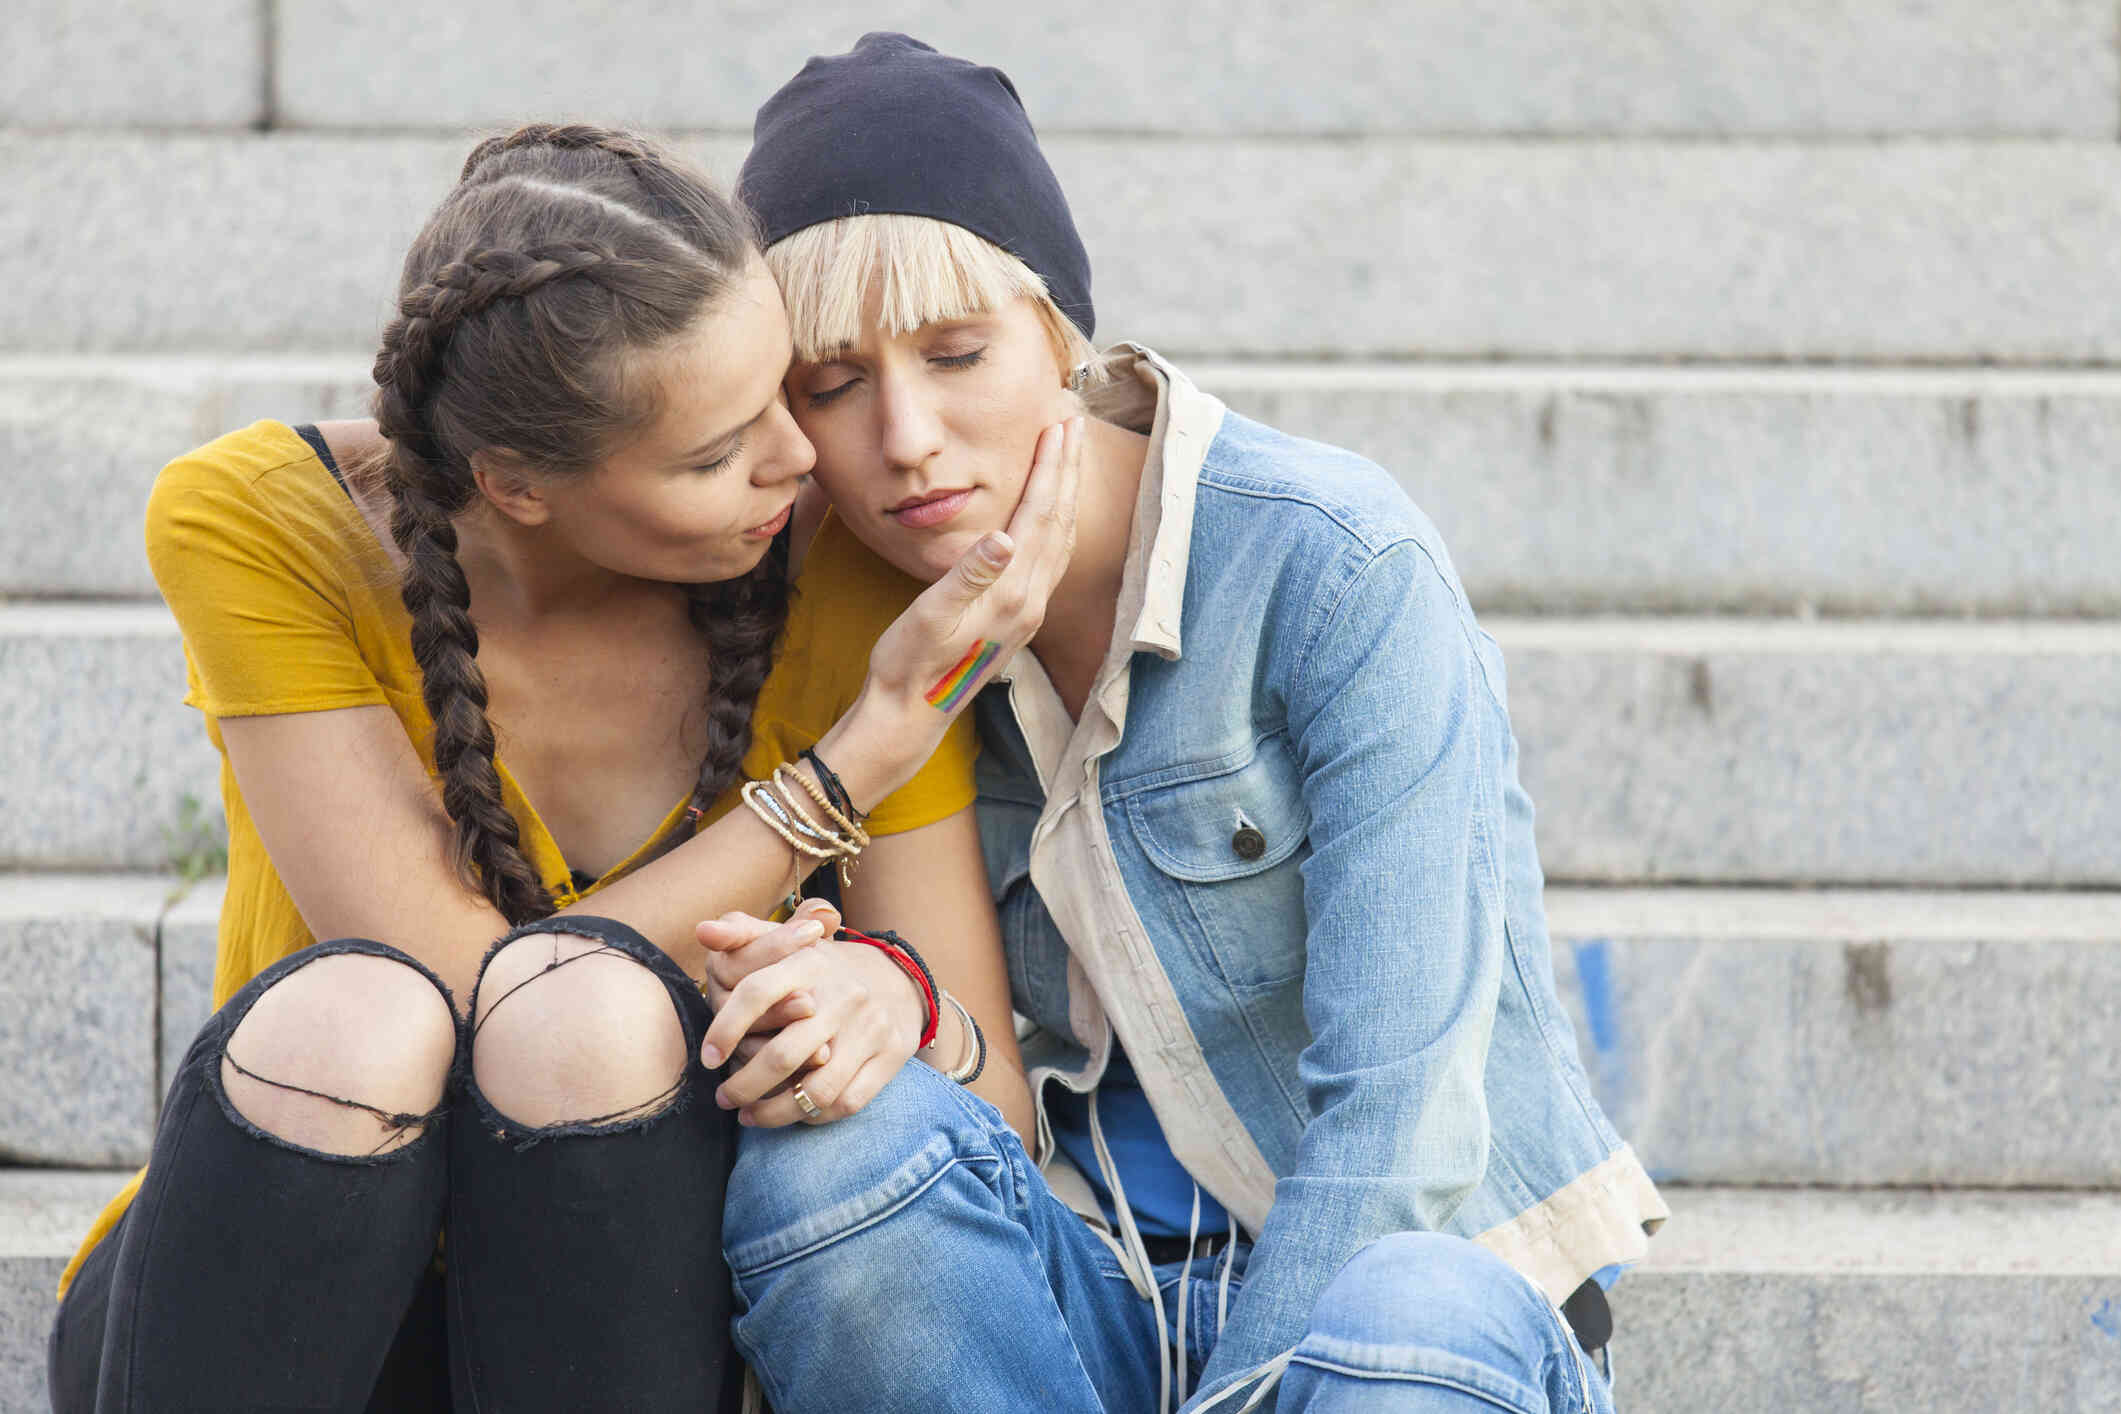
column 924, row 512
column 772, row 527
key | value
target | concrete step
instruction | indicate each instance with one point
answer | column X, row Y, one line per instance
column 112, row 771
column 1747, row 751
column 1385, row 247
column 1753, row 1300
column 1872, row 1037
column 1518, row 66
column 169, row 63
column 1851, row 1036
column 81, row 987
column 1659, row 750
column 1868, row 1302
column 2044, row 67
column 1559, row 489
column 44, row 1213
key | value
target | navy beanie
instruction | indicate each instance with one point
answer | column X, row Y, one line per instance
column 892, row 126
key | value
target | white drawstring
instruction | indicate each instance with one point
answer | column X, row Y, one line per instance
column 1268, row 1375
column 1222, row 1289
column 1185, row 1281
column 1137, row 1255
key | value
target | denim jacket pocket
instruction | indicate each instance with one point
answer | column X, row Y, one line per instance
column 1225, row 850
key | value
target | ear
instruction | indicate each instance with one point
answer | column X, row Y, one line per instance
column 508, row 483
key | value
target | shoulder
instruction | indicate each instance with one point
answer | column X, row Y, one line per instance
column 1332, row 513
column 235, row 478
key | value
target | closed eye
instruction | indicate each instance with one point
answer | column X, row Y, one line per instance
column 735, row 450
column 823, row 396
column 963, row 360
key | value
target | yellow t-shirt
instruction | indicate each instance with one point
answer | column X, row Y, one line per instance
column 288, row 603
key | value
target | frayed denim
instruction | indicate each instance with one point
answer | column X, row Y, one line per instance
column 251, row 1273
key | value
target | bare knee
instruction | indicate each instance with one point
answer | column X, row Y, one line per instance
column 571, row 1031
column 369, row 1032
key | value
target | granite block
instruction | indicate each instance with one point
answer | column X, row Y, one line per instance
column 1851, row 1037
column 82, row 438
column 1343, row 66
column 153, row 63
column 1665, row 490
column 1946, row 251
column 28, row 1305
column 1558, row 489
column 78, row 1017
column 113, row 771
column 44, row 1213
column 1862, row 1303
column 1861, row 752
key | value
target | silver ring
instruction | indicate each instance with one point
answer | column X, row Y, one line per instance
column 808, row 1106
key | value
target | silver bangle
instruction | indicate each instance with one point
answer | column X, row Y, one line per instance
column 968, row 1070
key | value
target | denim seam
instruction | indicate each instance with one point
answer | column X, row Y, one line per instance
column 1423, row 1377
column 1362, row 528
column 1567, row 1064
column 871, row 1220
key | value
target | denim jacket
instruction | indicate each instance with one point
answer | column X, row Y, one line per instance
column 1284, row 854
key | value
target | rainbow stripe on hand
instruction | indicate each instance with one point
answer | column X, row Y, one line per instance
column 958, row 683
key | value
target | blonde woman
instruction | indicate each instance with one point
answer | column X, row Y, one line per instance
column 1310, row 1123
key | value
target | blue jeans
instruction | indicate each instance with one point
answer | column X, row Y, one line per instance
column 910, row 1257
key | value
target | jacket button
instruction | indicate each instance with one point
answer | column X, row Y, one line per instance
column 1248, row 842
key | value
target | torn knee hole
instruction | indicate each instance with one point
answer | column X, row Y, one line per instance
column 563, row 1049
column 347, row 1054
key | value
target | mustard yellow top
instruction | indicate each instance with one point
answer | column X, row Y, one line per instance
column 288, row 603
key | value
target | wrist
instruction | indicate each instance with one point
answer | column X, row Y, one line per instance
column 877, row 746
column 903, row 960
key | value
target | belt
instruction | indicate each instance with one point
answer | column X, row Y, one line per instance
column 1174, row 1249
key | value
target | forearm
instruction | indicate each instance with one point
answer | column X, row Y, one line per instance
column 740, row 863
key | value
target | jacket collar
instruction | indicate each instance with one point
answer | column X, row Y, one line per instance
column 1146, row 394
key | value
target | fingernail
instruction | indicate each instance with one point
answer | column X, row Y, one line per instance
column 809, row 931
column 710, row 1057
column 744, row 1118
column 995, row 548
column 721, row 1097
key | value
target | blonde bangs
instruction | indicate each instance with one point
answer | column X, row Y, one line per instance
column 924, row 269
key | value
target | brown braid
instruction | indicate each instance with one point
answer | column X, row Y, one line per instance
column 561, row 251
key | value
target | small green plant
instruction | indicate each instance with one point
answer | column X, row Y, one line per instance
column 197, row 843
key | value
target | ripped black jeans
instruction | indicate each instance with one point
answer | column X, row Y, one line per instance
column 583, row 1263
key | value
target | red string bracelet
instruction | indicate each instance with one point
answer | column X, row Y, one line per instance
column 909, row 964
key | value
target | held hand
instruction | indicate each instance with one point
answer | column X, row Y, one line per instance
column 739, row 944
column 935, row 657
column 867, row 1011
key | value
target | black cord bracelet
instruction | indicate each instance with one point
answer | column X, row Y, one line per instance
column 835, row 789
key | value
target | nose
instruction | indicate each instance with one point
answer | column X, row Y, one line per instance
column 789, row 453
column 909, row 430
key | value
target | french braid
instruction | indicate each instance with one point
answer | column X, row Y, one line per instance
column 562, row 249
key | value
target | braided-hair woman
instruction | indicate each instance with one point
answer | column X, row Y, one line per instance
column 486, row 674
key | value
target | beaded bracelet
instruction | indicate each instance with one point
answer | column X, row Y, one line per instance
column 776, row 819
column 783, row 812
column 848, row 828
column 776, row 803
